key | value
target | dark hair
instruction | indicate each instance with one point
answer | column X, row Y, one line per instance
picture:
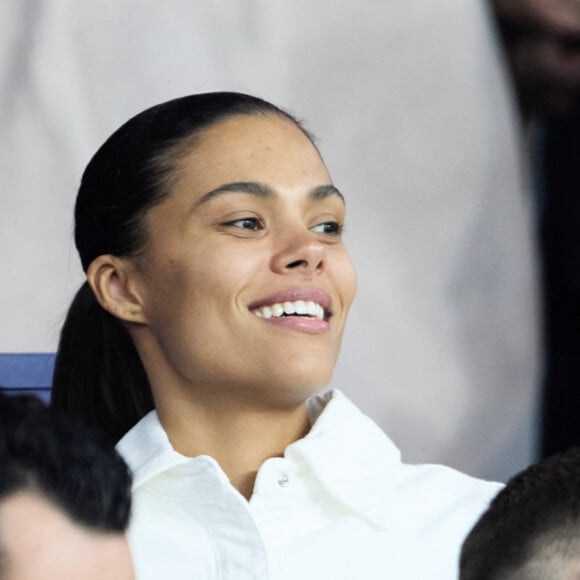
column 98, row 374
column 532, row 528
column 75, row 469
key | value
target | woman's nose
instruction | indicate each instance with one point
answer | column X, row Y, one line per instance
column 301, row 253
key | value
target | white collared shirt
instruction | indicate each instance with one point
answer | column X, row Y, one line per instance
column 340, row 505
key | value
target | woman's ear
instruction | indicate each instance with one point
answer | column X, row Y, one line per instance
column 113, row 282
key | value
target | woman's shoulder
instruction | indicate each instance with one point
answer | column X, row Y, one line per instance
column 351, row 452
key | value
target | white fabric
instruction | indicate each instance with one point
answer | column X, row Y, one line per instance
column 338, row 505
column 416, row 121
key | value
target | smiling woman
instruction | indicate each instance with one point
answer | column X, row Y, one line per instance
column 217, row 292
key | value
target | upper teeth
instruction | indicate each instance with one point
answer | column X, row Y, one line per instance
column 299, row 307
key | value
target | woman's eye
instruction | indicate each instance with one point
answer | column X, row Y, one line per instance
column 247, row 223
column 330, row 228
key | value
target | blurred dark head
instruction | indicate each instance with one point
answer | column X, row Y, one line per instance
column 64, row 498
column 531, row 530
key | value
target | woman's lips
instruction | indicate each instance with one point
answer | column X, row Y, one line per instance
column 303, row 309
column 300, row 323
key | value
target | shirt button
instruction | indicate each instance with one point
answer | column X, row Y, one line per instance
column 283, row 480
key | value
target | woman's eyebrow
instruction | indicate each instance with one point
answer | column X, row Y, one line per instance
column 249, row 187
column 265, row 191
column 324, row 191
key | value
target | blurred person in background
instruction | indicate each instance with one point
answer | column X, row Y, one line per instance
column 531, row 530
column 64, row 498
column 542, row 39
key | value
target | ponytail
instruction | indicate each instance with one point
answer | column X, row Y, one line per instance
column 98, row 375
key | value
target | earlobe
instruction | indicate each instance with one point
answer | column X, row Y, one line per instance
column 111, row 279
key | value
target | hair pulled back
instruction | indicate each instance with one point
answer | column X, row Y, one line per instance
column 98, row 375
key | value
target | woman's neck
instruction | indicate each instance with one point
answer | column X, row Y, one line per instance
column 240, row 437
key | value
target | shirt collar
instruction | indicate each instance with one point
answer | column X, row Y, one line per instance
column 350, row 456
column 345, row 450
column 148, row 451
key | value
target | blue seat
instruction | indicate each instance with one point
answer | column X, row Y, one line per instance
column 27, row 373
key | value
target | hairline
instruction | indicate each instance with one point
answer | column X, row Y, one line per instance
column 173, row 154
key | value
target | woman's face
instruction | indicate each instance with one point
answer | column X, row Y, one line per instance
column 245, row 280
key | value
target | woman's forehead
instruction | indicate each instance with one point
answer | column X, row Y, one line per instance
column 252, row 148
